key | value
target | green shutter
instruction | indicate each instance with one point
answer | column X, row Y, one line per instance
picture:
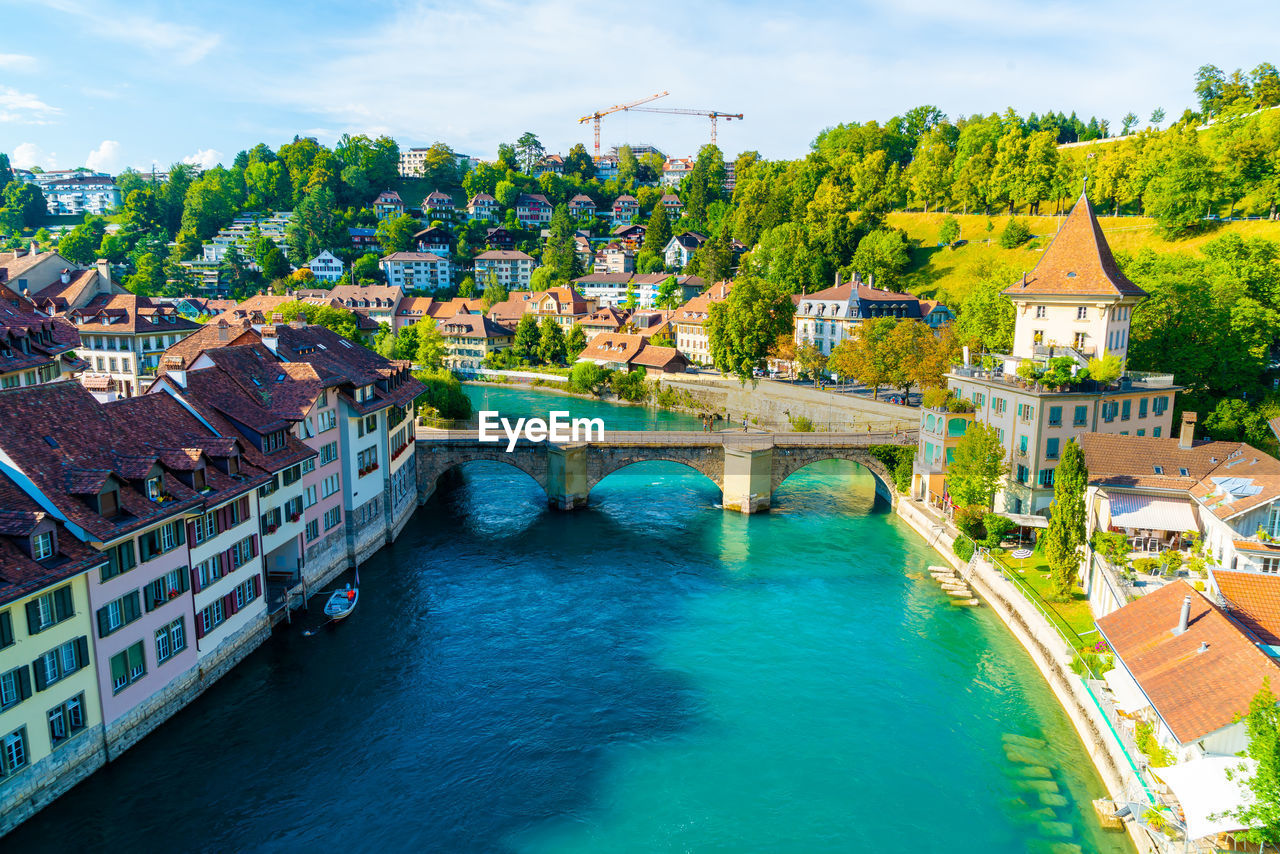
column 64, row 607
column 33, row 617
column 144, row 546
column 119, row 669
column 24, row 684
column 6, row 629
column 184, row 580
column 104, row 628
column 131, row 608
column 37, row 668
column 181, row 533
column 82, row 652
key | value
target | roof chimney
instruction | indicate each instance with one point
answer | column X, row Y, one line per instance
column 1186, row 438
column 837, row 278
column 1185, row 616
column 224, row 330
column 65, row 277
column 104, row 270
column 1204, row 647
column 871, row 281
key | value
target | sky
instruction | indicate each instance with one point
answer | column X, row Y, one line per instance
column 109, row 84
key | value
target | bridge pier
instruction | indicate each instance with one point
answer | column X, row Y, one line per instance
column 567, row 476
column 748, row 478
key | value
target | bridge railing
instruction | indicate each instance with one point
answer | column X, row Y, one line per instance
column 694, row 437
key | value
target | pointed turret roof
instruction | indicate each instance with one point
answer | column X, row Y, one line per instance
column 1077, row 263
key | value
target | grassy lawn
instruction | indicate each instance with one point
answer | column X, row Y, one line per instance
column 948, row 274
column 1072, row 617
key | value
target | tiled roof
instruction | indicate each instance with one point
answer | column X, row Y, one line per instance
column 473, row 326
column 20, row 574
column 603, row 279
column 1253, row 598
column 1078, row 262
column 658, row 357
column 290, row 398
column 129, row 314
column 411, row 256
column 607, row 317
column 457, row 305
column 214, row 334
column 1244, row 479
column 332, row 355
column 415, row 307
column 1130, row 461
column 613, row 347
column 45, row 338
column 390, row 296
column 503, row 255
column 695, row 310
column 1196, row 691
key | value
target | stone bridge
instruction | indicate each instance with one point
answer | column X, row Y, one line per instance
column 747, row 467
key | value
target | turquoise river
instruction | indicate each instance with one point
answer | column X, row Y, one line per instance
column 648, row 674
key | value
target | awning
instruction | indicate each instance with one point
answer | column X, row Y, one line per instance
column 1148, row 511
column 1205, row 792
column 1026, row 520
column 1128, row 696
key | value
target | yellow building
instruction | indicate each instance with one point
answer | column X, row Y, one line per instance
column 50, row 710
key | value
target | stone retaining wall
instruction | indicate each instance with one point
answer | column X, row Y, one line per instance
column 36, row 787
column 774, row 404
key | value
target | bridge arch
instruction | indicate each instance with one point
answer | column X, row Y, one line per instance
column 712, row 473
column 788, row 461
column 432, row 465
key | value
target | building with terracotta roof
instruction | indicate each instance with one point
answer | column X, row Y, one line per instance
column 626, row 352
column 50, row 728
column 582, row 207
column 52, row 283
column 562, row 304
column 438, row 205
column 34, row 348
column 122, row 338
column 216, row 333
column 629, row 235
column 510, row 267
column 377, row 302
column 605, row 288
column 672, row 205
column 1252, row 599
column 533, row 210
column 613, row 257
column 936, row 314
column 649, row 285
column 416, row 271
column 1195, row 670
column 435, row 240
column 689, row 323
column 625, row 210
column 675, row 170
column 388, row 204
column 509, row 311
column 827, row 317
column 470, row 338
column 1074, row 305
column 607, row 319
column 483, row 206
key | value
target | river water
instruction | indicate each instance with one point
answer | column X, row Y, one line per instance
column 647, row 674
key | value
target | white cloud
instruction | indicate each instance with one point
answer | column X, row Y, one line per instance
column 205, row 158
column 105, row 158
column 29, row 154
column 24, row 108
column 179, row 43
column 18, row 62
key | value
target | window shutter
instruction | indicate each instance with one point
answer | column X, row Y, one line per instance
column 228, row 565
column 244, row 507
column 199, row 625
column 82, row 652
column 132, row 610
column 24, row 684
column 229, row 603
column 183, row 585
column 33, row 617
column 37, row 667
column 144, row 546
column 6, row 629
column 195, row 581
column 64, row 607
column 103, row 629
column 180, row 532
column 257, row 585
column 253, row 546
column 191, row 532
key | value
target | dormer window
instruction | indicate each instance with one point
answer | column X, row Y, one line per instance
column 197, row 480
column 1158, row 469
column 233, row 462
column 42, row 546
column 154, row 488
column 109, row 503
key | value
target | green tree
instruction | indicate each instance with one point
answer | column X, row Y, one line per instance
column 395, row 234
column 551, row 343
column 1128, row 123
column 575, row 342
column 883, row 254
column 930, row 171
column 505, row 194
column 81, row 243
column 560, row 257
column 986, row 317
column 657, row 232
column 315, row 226
column 1157, row 116
column 587, row 377
column 529, row 150
column 27, row 200
column 366, row 267
column 1179, row 193
column 1015, row 233
column 578, row 162
column 494, row 291
column 467, row 287
column 1066, row 532
column 148, row 278
column 949, row 231
column 975, row 473
column 274, row 264
column 527, row 339
column 742, row 327
column 670, row 294
column 1262, row 817
column 628, row 167
column 632, row 299
column 1210, row 82
column 812, row 361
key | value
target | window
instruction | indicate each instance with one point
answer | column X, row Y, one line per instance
column 309, row 496
column 328, row 420
column 60, row 662
column 246, row 592
column 1022, row 445
column 1156, row 432
column 212, row 617
column 42, row 546
column 66, row 720
column 1055, row 416
column 329, row 486
column 209, row 571
column 154, row 488
column 160, row 540
column 367, row 460
column 1159, row 405
column 13, row 752
column 1158, row 469
column 49, row 610
column 998, row 405
column 15, row 686
column 1022, row 473
column 1041, row 311
column 332, row 517
column 206, row 527
column 328, row 453
column 1082, row 312
column 1037, row 336
column 1126, row 410
column 243, row 551
column 1081, row 416
column 171, row 585
column 367, row 425
column 268, row 489
column 293, row 508
column 313, row 530
column 127, row 667
column 119, row 613
column 170, row 640
column 308, row 466
column 1051, row 449
column 1109, row 409
column 1078, row 341
column 1046, row 477
column 1142, row 408
column 120, row 559
column 291, row 475
column 272, row 442
column 6, row 630
column 1142, row 432
column 1270, row 565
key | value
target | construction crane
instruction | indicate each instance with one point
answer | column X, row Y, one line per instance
column 599, row 114
column 714, row 115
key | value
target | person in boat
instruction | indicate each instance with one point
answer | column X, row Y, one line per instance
column 351, row 594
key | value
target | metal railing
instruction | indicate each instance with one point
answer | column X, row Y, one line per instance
column 660, row 438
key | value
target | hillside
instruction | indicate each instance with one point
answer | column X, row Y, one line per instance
column 947, row 274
